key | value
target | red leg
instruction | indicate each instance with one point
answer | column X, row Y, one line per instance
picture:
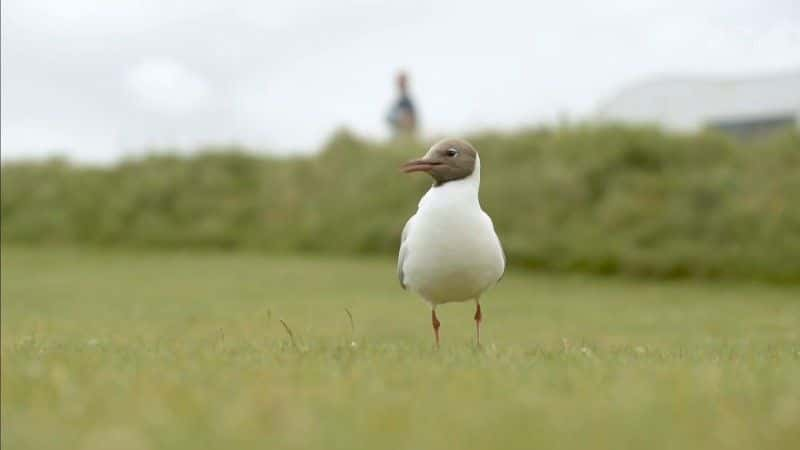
column 478, row 317
column 436, row 324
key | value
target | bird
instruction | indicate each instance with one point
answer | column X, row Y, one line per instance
column 449, row 250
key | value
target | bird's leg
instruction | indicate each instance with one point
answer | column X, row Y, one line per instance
column 478, row 317
column 436, row 324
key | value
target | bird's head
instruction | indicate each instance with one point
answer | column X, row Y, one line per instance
column 447, row 160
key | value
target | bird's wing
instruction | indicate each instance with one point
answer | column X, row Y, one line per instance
column 500, row 244
column 401, row 258
column 505, row 259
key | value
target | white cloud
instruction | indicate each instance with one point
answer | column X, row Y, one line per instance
column 167, row 87
column 110, row 77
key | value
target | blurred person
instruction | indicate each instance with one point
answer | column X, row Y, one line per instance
column 402, row 116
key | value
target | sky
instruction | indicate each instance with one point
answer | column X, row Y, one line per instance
column 97, row 81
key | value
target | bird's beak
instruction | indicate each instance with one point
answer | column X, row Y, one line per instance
column 419, row 165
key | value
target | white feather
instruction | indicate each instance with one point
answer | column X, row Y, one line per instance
column 449, row 250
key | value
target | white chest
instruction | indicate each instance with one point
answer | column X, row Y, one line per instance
column 453, row 253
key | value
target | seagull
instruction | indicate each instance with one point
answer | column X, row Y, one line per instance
column 449, row 251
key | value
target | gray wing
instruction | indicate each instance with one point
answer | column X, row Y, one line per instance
column 505, row 261
column 401, row 257
column 502, row 250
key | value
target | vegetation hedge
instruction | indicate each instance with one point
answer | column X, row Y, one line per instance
column 602, row 199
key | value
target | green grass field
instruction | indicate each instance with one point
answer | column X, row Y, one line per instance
column 147, row 350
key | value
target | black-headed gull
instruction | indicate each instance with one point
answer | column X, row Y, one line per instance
column 449, row 251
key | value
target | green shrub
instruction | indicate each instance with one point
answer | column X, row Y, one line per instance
column 603, row 199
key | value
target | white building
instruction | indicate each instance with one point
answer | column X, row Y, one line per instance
column 740, row 106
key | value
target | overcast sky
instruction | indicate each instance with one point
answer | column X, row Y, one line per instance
column 96, row 80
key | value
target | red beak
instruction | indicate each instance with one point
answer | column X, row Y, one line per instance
column 419, row 165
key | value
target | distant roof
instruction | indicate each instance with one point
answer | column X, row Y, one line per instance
column 690, row 103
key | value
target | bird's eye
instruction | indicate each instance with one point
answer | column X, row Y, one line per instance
column 451, row 152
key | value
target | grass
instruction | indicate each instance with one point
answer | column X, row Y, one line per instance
column 150, row 350
column 601, row 199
